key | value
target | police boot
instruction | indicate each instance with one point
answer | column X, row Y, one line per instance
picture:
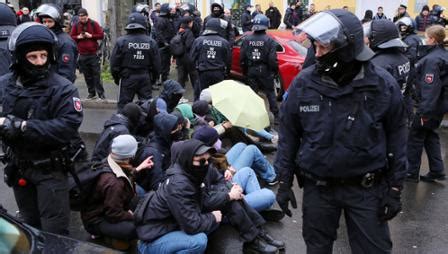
column 270, row 240
column 258, row 245
column 431, row 177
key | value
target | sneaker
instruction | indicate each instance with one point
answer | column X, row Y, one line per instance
column 413, row 178
column 183, row 100
column 432, row 177
column 91, row 97
column 101, row 97
column 272, row 215
column 270, row 240
column 259, row 246
column 273, row 182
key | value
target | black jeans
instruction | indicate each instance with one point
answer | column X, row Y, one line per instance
column 322, row 207
column 139, row 84
column 123, row 230
column 185, row 71
column 209, row 78
column 266, row 85
column 44, row 201
column 165, row 61
column 91, row 68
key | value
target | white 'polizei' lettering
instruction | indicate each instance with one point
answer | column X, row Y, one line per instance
column 309, row 108
column 212, row 43
column 142, row 45
column 256, row 43
column 404, row 68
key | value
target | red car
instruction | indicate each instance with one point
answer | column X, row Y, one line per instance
column 290, row 55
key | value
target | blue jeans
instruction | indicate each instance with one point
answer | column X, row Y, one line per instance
column 257, row 198
column 175, row 242
column 263, row 133
column 242, row 155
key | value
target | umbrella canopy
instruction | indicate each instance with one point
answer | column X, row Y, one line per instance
column 240, row 104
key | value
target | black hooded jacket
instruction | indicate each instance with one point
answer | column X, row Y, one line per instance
column 176, row 205
column 227, row 31
column 172, row 92
column 117, row 125
column 162, row 140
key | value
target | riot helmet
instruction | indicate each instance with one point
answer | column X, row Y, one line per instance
column 260, row 23
column 7, row 21
column 384, row 34
column 136, row 21
column 28, row 37
column 52, row 11
column 142, row 9
column 405, row 26
column 165, row 9
column 213, row 26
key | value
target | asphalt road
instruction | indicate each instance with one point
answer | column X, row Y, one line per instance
column 422, row 226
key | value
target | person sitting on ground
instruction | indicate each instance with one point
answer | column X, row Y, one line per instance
column 125, row 122
column 172, row 93
column 109, row 209
column 258, row 198
column 241, row 156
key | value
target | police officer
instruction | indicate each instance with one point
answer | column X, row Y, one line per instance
column 190, row 10
column 226, row 31
column 343, row 132
column 67, row 53
column 164, row 33
column 41, row 113
column 407, row 31
column 385, row 40
column 8, row 21
column 258, row 60
column 211, row 55
column 144, row 9
column 134, row 60
column 431, row 100
column 246, row 19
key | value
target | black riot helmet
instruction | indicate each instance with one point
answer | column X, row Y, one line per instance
column 213, row 26
column 405, row 26
column 165, row 9
column 136, row 21
column 7, row 16
column 260, row 23
column 339, row 28
column 27, row 37
column 383, row 34
column 52, row 11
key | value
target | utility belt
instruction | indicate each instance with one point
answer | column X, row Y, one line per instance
column 367, row 180
column 127, row 72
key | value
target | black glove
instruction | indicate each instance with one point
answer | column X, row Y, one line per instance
column 390, row 205
column 11, row 128
column 117, row 81
column 284, row 196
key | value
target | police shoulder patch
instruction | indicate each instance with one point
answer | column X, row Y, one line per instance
column 429, row 78
column 77, row 104
column 65, row 58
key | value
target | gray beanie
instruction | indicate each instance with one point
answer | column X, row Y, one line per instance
column 123, row 147
column 205, row 95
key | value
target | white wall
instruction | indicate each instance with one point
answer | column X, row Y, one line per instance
column 389, row 7
column 95, row 9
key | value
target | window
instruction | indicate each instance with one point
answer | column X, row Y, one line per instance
column 298, row 47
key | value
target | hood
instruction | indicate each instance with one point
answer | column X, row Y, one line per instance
column 216, row 5
column 163, row 125
column 116, row 119
column 172, row 92
column 185, row 152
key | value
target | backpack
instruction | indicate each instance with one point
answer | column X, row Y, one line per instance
column 82, row 182
column 177, row 46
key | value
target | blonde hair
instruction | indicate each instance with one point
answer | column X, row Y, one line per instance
column 437, row 32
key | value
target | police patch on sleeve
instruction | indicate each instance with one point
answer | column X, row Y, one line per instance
column 77, row 104
column 65, row 58
column 429, row 78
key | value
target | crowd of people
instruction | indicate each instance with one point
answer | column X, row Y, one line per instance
column 167, row 180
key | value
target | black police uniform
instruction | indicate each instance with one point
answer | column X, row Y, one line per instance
column 413, row 41
column 258, row 59
column 67, row 55
column 246, row 21
column 431, row 77
column 134, row 60
column 346, row 141
column 212, row 57
column 7, row 23
column 185, row 65
column 53, row 112
column 226, row 30
column 164, row 33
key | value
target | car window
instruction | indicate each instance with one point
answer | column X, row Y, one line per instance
column 298, row 47
column 12, row 238
column 279, row 48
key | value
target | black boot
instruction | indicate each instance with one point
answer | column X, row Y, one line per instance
column 259, row 246
column 270, row 240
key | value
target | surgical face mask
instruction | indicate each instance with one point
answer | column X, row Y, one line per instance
column 218, row 145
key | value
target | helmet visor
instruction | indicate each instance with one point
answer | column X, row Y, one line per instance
column 48, row 10
column 17, row 32
column 404, row 21
column 324, row 28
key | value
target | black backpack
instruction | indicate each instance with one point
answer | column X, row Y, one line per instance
column 177, row 46
column 82, row 183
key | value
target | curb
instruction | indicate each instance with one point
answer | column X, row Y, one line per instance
column 99, row 104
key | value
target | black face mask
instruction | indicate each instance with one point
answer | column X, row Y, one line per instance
column 217, row 13
column 328, row 64
column 177, row 136
column 199, row 172
column 340, row 71
column 29, row 72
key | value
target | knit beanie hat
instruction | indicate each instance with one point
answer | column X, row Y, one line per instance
column 123, row 147
column 205, row 95
column 207, row 135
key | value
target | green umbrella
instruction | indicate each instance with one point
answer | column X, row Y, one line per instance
column 240, row 105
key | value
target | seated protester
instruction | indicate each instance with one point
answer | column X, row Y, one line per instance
column 172, row 93
column 221, row 122
column 186, row 126
column 125, row 122
column 258, row 198
column 167, row 129
column 201, row 111
column 186, row 110
column 150, row 108
column 109, row 209
column 174, row 222
column 178, row 219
